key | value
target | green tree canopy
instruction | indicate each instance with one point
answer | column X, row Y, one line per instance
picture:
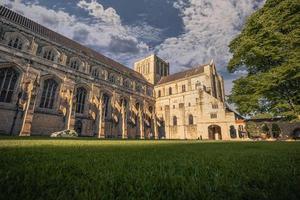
column 269, row 49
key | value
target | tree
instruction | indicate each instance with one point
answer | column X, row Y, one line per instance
column 269, row 49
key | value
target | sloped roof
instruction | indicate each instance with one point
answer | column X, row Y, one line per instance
column 60, row 39
column 183, row 74
column 271, row 119
column 230, row 109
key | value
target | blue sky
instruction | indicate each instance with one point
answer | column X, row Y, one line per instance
column 186, row 33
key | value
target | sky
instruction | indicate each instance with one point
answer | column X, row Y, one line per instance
column 186, row 33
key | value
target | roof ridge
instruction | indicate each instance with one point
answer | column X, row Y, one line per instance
column 182, row 74
column 190, row 69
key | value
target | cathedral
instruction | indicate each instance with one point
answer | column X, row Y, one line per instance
column 50, row 83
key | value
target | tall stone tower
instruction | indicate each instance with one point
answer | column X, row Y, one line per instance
column 152, row 68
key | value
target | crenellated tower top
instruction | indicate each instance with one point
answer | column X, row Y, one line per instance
column 152, row 68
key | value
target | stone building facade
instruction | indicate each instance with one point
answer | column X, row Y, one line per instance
column 191, row 104
column 50, row 83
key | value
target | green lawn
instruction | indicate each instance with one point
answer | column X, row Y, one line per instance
column 40, row 168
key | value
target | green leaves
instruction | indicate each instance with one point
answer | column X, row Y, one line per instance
column 269, row 48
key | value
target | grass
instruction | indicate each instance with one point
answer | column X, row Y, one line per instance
column 39, row 168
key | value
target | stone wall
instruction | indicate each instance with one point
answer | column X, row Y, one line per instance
column 286, row 128
column 39, row 59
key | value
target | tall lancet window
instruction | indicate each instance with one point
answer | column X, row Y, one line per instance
column 80, row 99
column 8, row 79
column 191, row 120
column 174, row 121
column 48, row 94
column 106, row 105
column 170, row 91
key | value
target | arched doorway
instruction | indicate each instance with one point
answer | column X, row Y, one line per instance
column 232, row 131
column 296, row 133
column 78, row 127
column 276, row 131
column 214, row 132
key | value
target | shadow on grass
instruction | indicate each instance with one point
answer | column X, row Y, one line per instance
column 43, row 168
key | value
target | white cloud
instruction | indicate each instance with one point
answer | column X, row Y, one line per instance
column 100, row 31
column 209, row 26
column 95, row 9
column 145, row 32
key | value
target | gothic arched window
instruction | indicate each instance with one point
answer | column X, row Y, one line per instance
column 112, row 78
column 106, row 105
column 8, row 80
column 48, row 94
column 183, row 88
column 191, row 120
column 232, row 131
column 159, row 93
column 75, row 64
column 16, row 42
column 174, row 121
column 80, row 99
column 95, row 73
column 50, row 53
column 170, row 91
